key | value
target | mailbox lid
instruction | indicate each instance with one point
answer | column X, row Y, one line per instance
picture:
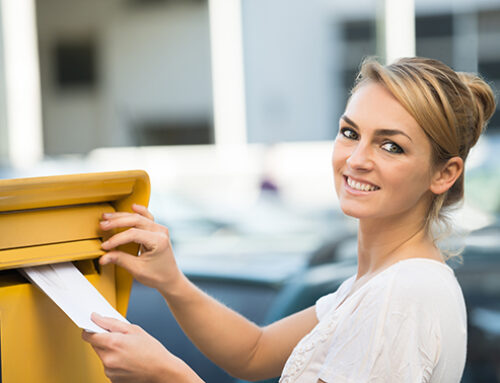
column 61, row 213
column 73, row 189
column 37, row 227
column 52, row 253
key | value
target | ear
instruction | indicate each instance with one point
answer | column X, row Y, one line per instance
column 446, row 175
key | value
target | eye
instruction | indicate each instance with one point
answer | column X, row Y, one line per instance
column 391, row 147
column 349, row 133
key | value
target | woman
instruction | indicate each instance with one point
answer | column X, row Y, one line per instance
column 398, row 162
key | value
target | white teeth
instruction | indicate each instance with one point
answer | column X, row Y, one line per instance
column 359, row 186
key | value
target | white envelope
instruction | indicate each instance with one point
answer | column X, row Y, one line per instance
column 73, row 293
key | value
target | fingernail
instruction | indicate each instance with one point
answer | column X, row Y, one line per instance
column 104, row 223
column 104, row 244
column 107, row 215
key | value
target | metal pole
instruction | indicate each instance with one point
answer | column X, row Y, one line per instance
column 228, row 80
column 399, row 29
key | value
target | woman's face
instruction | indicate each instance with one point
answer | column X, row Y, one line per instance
column 382, row 158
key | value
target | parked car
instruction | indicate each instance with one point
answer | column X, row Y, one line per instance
column 479, row 277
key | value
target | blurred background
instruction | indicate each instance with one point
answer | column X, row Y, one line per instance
column 232, row 108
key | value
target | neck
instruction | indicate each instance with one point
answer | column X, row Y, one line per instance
column 384, row 241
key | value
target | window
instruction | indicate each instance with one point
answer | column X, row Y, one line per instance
column 434, row 37
column 75, row 64
column 359, row 38
column 169, row 132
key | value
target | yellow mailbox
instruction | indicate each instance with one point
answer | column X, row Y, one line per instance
column 50, row 220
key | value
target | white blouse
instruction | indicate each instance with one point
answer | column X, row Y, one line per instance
column 406, row 324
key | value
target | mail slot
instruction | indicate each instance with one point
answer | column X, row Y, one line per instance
column 50, row 220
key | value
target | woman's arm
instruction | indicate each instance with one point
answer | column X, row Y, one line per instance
column 231, row 341
column 234, row 343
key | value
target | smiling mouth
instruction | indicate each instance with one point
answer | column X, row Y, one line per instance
column 356, row 185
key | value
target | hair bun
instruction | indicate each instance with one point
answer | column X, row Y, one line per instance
column 483, row 98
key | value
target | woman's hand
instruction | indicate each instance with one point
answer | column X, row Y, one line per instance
column 156, row 266
column 129, row 354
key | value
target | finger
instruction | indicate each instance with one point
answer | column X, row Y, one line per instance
column 131, row 220
column 120, row 258
column 86, row 336
column 142, row 210
column 110, row 324
column 97, row 340
column 149, row 239
column 115, row 214
column 136, row 209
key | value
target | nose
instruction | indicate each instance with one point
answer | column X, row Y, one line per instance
column 360, row 158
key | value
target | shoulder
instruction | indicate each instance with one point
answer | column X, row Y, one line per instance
column 329, row 301
column 424, row 289
column 420, row 277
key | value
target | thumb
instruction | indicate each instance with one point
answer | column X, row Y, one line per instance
column 110, row 324
column 119, row 258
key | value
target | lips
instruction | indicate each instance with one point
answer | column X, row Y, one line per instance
column 360, row 185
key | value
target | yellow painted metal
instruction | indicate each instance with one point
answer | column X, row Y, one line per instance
column 44, row 226
column 53, row 253
column 49, row 220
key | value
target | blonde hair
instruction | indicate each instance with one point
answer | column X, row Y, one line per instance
column 452, row 108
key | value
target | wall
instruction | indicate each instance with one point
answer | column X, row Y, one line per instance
column 289, row 59
column 153, row 62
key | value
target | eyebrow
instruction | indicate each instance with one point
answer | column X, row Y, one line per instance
column 378, row 132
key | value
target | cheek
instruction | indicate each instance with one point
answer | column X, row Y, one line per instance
column 408, row 182
column 339, row 157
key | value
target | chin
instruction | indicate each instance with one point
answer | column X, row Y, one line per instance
column 355, row 212
column 363, row 209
